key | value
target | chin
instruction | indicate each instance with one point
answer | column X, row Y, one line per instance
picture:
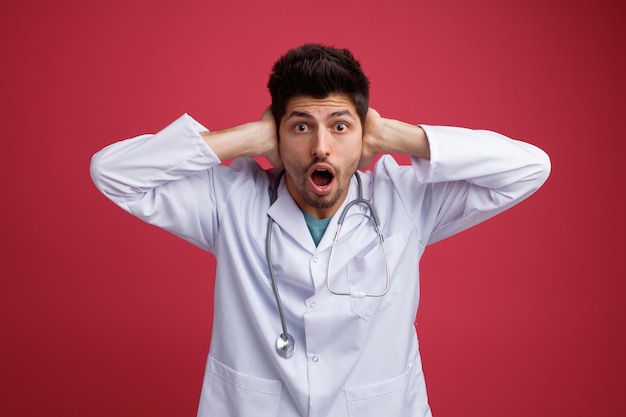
column 322, row 202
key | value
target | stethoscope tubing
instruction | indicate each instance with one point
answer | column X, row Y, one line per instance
column 284, row 348
column 285, row 343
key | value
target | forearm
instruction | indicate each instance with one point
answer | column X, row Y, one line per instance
column 397, row 137
column 246, row 140
column 389, row 136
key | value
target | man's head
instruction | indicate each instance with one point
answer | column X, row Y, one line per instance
column 317, row 71
column 320, row 99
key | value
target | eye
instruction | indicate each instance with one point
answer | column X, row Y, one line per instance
column 341, row 127
column 301, row 127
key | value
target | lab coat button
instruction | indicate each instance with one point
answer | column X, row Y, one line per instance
column 315, row 359
column 316, row 260
column 313, row 304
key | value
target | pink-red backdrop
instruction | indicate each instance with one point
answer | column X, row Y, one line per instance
column 102, row 315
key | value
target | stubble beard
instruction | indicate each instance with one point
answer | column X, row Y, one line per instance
column 322, row 201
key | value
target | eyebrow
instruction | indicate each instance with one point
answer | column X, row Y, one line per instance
column 302, row 114
column 305, row 115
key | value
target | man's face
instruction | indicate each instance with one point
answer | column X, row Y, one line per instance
column 320, row 145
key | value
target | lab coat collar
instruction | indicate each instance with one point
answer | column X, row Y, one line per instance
column 286, row 214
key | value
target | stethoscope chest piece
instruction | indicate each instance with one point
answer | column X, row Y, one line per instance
column 285, row 347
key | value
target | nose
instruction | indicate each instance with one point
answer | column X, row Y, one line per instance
column 321, row 144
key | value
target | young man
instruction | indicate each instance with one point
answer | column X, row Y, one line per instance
column 314, row 302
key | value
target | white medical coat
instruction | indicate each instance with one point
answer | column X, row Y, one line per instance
column 355, row 357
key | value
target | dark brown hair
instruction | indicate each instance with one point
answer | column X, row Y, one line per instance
column 317, row 71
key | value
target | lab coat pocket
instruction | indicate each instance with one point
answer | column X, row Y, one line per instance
column 393, row 398
column 229, row 393
column 368, row 274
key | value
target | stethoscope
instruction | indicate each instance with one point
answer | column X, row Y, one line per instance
column 285, row 343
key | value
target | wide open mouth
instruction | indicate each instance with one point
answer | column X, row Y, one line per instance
column 321, row 177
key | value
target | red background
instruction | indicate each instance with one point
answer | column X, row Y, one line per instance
column 102, row 315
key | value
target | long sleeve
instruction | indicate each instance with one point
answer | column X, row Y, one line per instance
column 162, row 179
column 474, row 175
